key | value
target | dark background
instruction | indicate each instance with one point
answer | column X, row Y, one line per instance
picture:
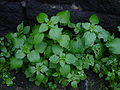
column 13, row 12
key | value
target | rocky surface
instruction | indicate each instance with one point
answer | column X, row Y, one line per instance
column 13, row 12
column 102, row 6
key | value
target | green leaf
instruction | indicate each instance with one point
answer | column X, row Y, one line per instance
column 57, row 49
column 9, row 82
column 43, row 27
column 89, row 38
column 94, row 19
column 54, row 19
column 33, row 56
column 62, row 63
column 15, row 63
column 20, row 27
column 98, row 50
column 90, row 59
column 18, row 42
column 114, row 46
column 26, row 29
column 64, row 16
column 76, row 46
column 38, row 38
column 74, row 84
column 3, row 49
column 71, row 25
column 86, row 26
column 44, row 69
column 77, row 28
column 48, row 51
column 53, row 65
column 2, row 60
column 26, row 48
column 32, row 69
column 19, row 54
column 41, row 17
column 70, row 59
column 105, row 35
column 118, row 28
column 54, row 59
column 40, row 77
column 41, row 47
column 65, row 70
column 64, row 41
column 55, row 33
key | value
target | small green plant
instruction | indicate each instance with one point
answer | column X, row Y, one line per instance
column 57, row 51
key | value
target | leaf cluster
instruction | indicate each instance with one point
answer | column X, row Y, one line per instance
column 57, row 51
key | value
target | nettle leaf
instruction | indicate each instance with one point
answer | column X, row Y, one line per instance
column 70, row 59
column 41, row 47
column 15, row 63
column 9, row 82
column 74, row 84
column 71, row 25
column 118, row 28
column 114, row 46
column 26, row 48
column 41, row 17
column 64, row 41
column 33, row 56
column 57, row 49
column 91, row 59
column 105, row 35
column 40, row 77
column 89, row 38
column 77, row 28
column 38, row 38
column 64, row 17
column 48, row 51
column 86, row 26
column 54, row 59
column 54, row 19
column 2, row 60
column 20, row 27
column 98, row 50
column 43, row 69
column 3, row 49
column 53, row 65
column 43, row 27
column 65, row 70
column 20, row 54
column 76, row 46
column 26, row 29
column 55, row 33
column 32, row 69
column 94, row 19
column 18, row 42
column 62, row 63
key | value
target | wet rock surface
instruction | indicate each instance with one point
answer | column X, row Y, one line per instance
column 13, row 12
column 103, row 6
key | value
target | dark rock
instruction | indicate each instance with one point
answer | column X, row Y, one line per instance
column 103, row 6
column 93, row 82
column 11, row 14
column 58, row 1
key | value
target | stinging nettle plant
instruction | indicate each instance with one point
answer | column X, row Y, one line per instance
column 57, row 51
